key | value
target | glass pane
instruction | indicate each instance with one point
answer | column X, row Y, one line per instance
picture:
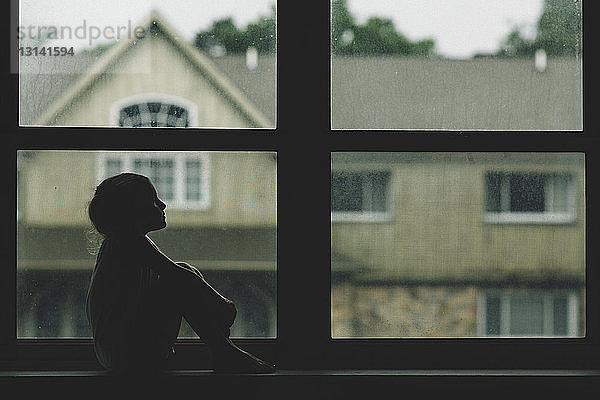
column 346, row 192
column 232, row 240
column 377, row 195
column 494, row 192
column 527, row 315
column 193, row 180
column 438, row 267
column 560, row 316
column 456, row 64
column 160, row 172
column 147, row 63
column 153, row 114
column 526, row 193
column 493, row 315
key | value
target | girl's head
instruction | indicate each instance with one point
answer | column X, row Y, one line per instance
column 126, row 204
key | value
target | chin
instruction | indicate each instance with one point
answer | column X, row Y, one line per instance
column 159, row 226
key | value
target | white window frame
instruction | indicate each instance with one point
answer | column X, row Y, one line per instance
column 547, row 295
column 191, row 107
column 545, row 217
column 367, row 216
column 179, row 158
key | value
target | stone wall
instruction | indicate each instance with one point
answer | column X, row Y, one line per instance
column 404, row 311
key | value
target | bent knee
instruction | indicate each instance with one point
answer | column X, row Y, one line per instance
column 190, row 268
column 230, row 312
column 183, row 264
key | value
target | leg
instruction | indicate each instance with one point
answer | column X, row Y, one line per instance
column 211, row 315
column 203, row 307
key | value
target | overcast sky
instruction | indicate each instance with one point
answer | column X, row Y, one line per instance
column 460, row 28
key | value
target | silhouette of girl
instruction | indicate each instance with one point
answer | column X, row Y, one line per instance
column 137, row 295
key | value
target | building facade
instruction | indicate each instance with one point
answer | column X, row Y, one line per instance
column 458, row 244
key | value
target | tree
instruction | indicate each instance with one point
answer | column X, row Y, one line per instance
column 559, row 32
column 560, row 28
column 342, row 26
column 224, row 33
column 377, row 36
column 262, row 34
column 516, row 46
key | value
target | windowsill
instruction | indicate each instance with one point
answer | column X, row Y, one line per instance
column 323, row 373
column 322, row 384
column 529, row 218
column 361, row 217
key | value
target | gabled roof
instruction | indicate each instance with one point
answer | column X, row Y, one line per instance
column 79, row 74
column 259, row 84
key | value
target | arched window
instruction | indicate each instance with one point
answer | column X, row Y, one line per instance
column 153, row 110
column 154, row 114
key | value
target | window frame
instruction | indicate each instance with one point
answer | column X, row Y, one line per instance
column 303, row 339
column 532, row 217
column 547, row 296
column 367, row 216
column 115, row 108
column 180, row 159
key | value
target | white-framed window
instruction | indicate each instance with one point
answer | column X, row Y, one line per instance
column 182, row 179
column 528, row 313
column 153, row 110
column 530, row 197
column 360, row 196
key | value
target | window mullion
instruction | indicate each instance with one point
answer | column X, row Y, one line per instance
column 180, row 177
column 8, row 280
column 505, row 314
column 548, row 319
column 549, row 192
column 303, row 296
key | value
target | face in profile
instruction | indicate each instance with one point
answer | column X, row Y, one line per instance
column 149, row 210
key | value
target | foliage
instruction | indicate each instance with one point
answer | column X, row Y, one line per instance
column 377, row 36
column 260, row 34
column 559, row 32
